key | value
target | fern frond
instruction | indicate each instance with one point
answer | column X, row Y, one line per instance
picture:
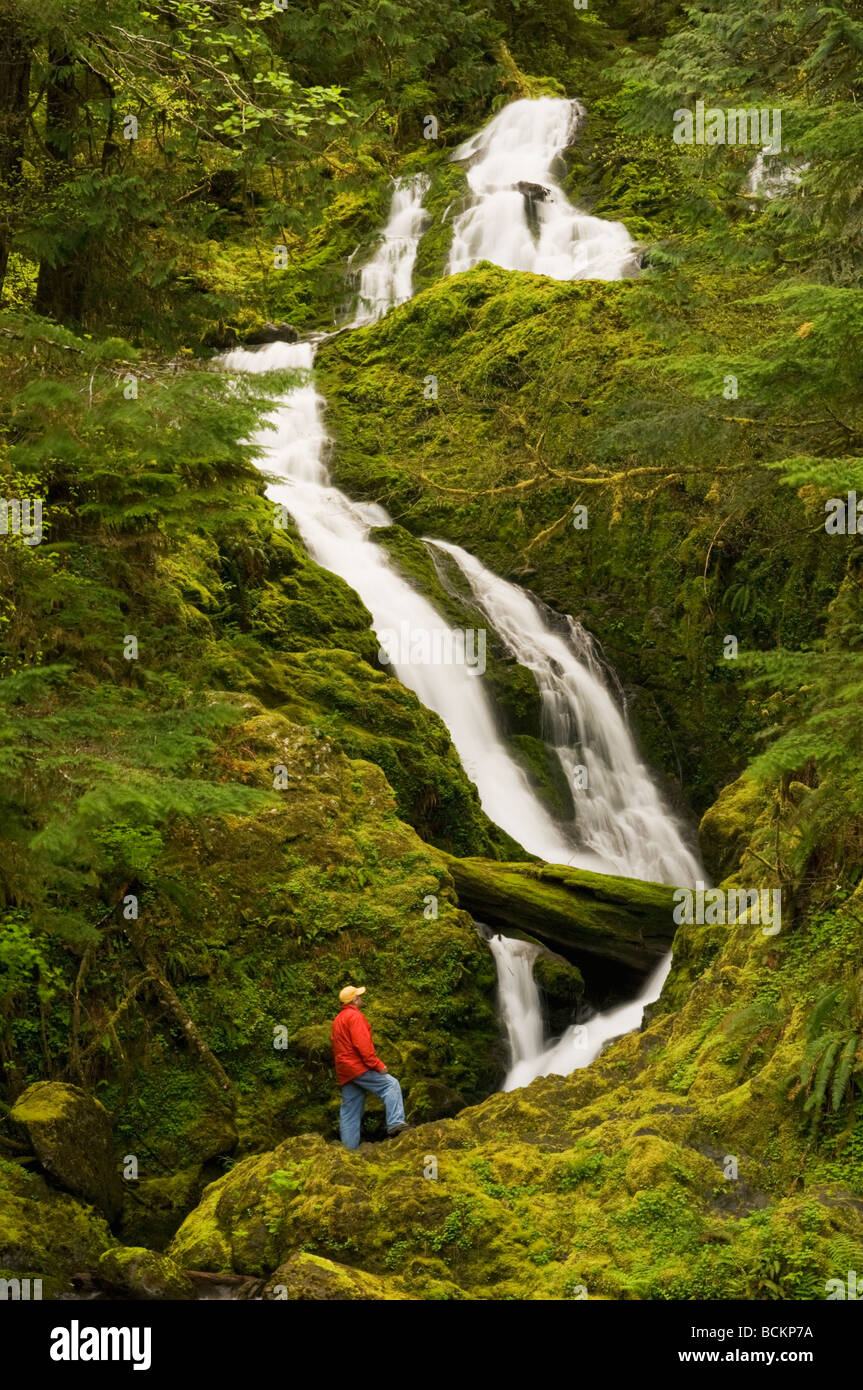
column 844, row 1068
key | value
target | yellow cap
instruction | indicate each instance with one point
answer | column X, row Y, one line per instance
column 349, row 993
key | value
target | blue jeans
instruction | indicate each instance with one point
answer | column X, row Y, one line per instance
column 380, row 1083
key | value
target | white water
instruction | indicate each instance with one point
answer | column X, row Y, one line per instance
column 519, row 998
column 387, row 279
column 335, row 531
column 547, row 235
column 771, row 177
column 582, row 1043
column 619, row 816
column 620, row 824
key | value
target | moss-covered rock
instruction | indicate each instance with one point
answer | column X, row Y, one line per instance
column 142, row 1274
column 561, row 986
column 45, row 1234
column 309, row 1278
column 72, row 1135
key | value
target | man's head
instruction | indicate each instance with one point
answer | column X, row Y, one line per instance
column 352, row 995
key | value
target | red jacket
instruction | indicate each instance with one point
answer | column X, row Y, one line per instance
column 353, row 1049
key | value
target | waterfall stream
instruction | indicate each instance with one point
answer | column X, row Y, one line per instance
column 387, row 279
column 582, row 1042
column 519, row 218
column 519, row 998
column 335, row 531
column 619, row 817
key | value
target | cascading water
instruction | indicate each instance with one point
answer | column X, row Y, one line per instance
column 582, row 1042
column 335, row 531
column 620, row 825
column 771, row 177
column 387, row 279
column 519, row 998
column 619, row 816
column 519, row 217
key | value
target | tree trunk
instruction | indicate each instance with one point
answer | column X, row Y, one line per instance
column 14, row 96
column 60, row 288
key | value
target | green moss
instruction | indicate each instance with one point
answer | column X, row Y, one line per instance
column 71, row 1134
column 44, row 1233
column 726, row 827
column 619, row 919
column 143, row 1274
column 546, row 391
column 448, row 193
column 309, row 1278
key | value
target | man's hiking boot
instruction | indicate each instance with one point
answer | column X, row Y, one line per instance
column 399, row 1129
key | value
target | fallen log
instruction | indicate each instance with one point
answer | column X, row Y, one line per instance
column 620, row 920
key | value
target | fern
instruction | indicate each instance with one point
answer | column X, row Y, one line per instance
column 830, row 1057
column 842, row 1074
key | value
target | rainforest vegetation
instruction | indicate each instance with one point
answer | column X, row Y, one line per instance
column 165, row 910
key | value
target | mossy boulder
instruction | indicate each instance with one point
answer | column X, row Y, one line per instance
column 561, row 986
column 72, row 1135
column 46, row 1234
column 727, row 826
column 136, row 1272
column 309, row 1278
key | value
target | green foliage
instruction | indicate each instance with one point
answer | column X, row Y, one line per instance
column 261, row 127
column 832, row 1065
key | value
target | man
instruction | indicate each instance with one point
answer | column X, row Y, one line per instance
column 358, row 1070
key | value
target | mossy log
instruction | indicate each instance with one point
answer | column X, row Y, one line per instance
column 623, row 920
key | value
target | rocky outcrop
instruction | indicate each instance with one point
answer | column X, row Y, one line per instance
column 72, row 1137
column 271, row 333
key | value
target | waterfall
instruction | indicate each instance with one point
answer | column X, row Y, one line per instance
column 772, row 177
column 520, row 219
column 519, row 216
column 387, row 279
column 335, row 531
column 619, row 816
column 521, row 1014
column 518, row 996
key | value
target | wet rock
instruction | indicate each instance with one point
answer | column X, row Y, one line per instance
column 271, row 333
column 534, row 192
column 72, row 1137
